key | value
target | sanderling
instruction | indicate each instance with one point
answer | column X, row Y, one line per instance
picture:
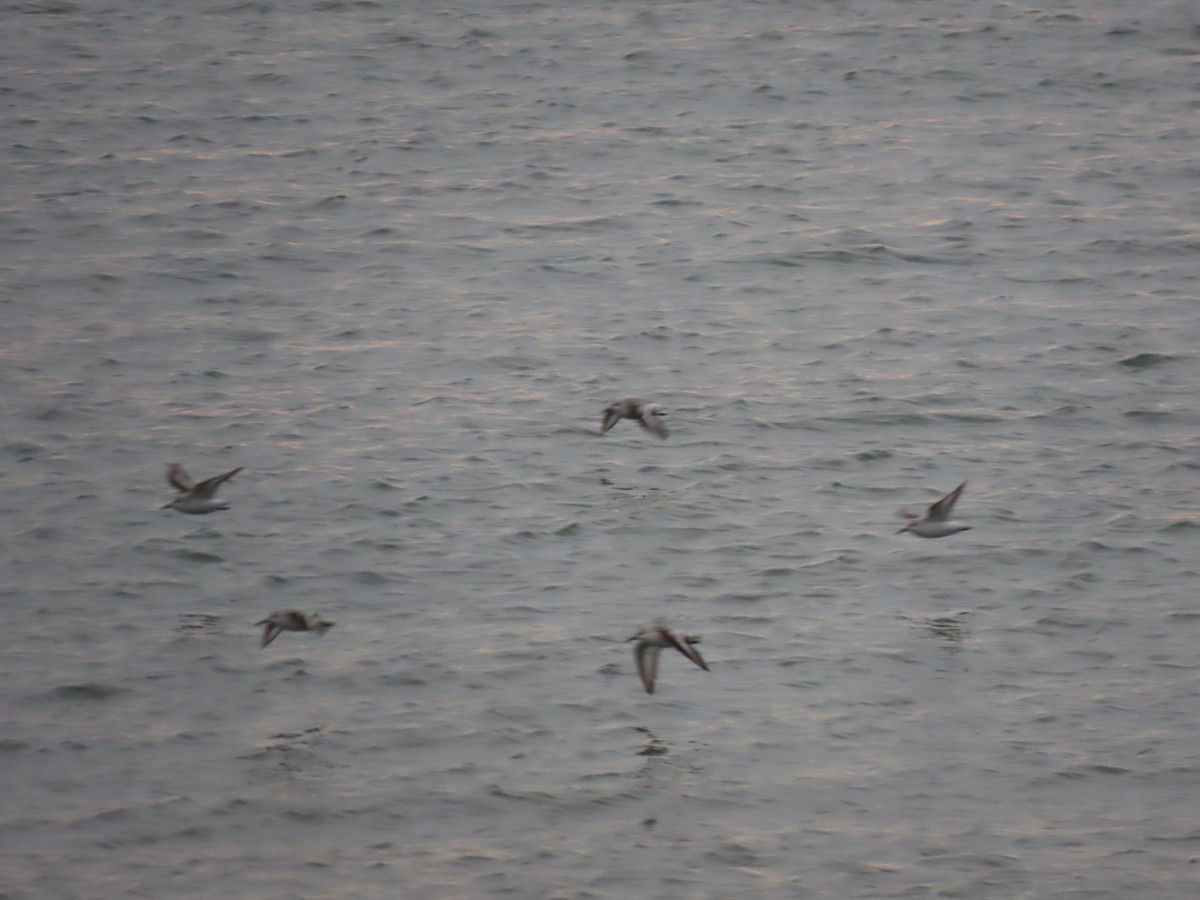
column 651, row 641
column 291, row 620
column 936, row 521
column 196, row 498
column 648, row 415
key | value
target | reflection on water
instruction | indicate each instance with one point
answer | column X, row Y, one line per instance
column 951, row 629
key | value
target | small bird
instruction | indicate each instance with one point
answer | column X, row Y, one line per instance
column 648, row 415
column 193, row 498
column 291, row 620
column 651, row 641
column 936, row 521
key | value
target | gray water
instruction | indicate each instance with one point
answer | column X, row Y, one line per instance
column 394, row 258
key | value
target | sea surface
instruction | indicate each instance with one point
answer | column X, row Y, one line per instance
column 395, row 257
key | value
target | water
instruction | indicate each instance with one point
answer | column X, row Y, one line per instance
column 395, row 258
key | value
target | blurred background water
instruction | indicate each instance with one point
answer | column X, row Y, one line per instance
column 394, row 258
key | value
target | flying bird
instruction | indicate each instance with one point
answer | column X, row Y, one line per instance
column 648, row 415
column 291, row 620
column 935, row 523
column 194, row 498
column 651, row 641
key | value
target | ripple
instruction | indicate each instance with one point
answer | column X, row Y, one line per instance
column 87, row 691
column 197, row 556
column 1145, row 360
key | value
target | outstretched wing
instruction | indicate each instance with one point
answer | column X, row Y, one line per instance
column 687, row 649
column 270, row 630
column 209, row 486
column 941, row 510
column 610, row 418
column 646, row 655
column 653, row 423
column 179, row 479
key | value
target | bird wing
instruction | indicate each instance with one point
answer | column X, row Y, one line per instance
column 941, row 510
column 646, row 655
column 208, row 486
column 654, row 424
column 685, row 647
column 611, row 417
column 179, row 479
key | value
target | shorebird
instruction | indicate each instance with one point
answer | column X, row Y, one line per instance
column 936, row 521
column 196, row 498
column 651, row 641
column 291, row 620
column 648, row 415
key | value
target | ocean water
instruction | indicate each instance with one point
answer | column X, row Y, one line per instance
column 394, row 258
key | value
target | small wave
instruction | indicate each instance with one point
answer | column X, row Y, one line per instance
column 197, row 556
column 48, row 8
column 1145, row 360
column 1181, row 524
column 369, row 578
column 1080, row 773
column 970, row 415
column 1137, row 247
column 1150, row 415
column 87, row 691
column 593, row 223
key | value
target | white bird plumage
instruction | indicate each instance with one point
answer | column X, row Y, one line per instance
column 651, row 641
column 291, row 620
column 648, row 415
column 935, row 522
column 196, row 498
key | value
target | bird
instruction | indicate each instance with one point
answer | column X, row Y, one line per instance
column 291, row 620
column 194, row 498
column 936, row 521
column 648, row 415
column 651, row 641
